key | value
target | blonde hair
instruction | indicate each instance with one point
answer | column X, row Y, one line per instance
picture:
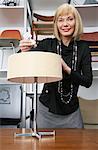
column 66, row 9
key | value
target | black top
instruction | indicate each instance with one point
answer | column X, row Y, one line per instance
column 82, row 76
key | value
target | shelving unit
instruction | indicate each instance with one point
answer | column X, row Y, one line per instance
column 13, row 17
column 90, row 23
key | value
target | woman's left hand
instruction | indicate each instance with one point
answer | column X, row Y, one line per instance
column 65, row 67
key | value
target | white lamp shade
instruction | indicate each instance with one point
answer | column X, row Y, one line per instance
column 24, row 67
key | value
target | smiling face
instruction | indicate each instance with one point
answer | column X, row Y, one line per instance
column 66, row 25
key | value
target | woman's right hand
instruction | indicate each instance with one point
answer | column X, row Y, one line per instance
column 26, row 44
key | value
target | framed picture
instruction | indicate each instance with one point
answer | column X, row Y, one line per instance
column 5, row 95
column 10, row 100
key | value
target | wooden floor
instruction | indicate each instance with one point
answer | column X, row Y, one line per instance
column 65, row 139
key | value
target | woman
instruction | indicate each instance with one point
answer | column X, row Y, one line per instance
column 58, row 103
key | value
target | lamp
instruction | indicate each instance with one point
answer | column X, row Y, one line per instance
column 34, row 67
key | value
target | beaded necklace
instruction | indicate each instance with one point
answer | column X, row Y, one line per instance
column 67, row 97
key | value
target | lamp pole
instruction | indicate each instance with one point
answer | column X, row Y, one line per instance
column 35, row 133
column 69, row 1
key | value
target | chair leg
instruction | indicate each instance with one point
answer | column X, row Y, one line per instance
column 36, row 38
column 12, row 44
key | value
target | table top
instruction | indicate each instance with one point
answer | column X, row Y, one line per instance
column 65, row 139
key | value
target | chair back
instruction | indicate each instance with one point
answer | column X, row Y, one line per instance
column 42, row 25
column 92, row 39
column 93, row 36
column 11, row 34
column 43, row 18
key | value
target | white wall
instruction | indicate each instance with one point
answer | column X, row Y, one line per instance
column 48, row 6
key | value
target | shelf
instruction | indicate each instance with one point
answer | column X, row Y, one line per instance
column 16, row 17
column 11, row 7
column 5, row 81
column 90, row 29
column 87, row 6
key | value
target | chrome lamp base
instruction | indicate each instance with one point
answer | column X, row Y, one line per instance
column 36, row 134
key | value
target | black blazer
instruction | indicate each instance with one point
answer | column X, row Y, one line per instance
column 82, row 76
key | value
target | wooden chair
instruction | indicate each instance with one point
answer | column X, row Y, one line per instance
column 92, row 39
column 43, row 25
column 93, row 36
column 9, row 41
column 15, row 34
column 89, row 111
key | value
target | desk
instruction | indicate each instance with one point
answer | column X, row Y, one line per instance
column 65, row 139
